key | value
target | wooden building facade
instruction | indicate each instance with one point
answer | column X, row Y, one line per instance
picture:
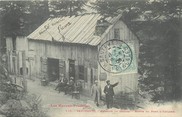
column 128, row 80
column 69, row 46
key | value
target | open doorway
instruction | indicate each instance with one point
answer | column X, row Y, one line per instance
column 53, row 69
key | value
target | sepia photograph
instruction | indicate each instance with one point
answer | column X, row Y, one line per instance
column 90, row 58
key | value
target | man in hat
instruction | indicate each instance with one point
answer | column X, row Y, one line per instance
column 62, row 83
column 109, row 91
column 95, row 93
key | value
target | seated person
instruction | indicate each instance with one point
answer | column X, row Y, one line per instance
column 59, row 84
column 70, row 86
column 78, row 86
column 62, row 84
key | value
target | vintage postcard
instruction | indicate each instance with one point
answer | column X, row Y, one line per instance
column 97, row 58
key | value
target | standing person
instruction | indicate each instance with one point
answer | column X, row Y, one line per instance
column 95, row 93
column 108, row 90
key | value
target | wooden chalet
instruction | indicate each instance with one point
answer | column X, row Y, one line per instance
column 69, row 46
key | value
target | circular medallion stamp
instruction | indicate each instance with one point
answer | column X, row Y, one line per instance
column 115, row 56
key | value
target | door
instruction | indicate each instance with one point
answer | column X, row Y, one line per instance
column 53, row 69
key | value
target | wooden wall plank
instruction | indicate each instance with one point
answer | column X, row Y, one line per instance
column 80, row 53
column 128, row 82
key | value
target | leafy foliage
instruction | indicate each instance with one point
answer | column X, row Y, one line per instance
column 157, row 23
column 20, row 17
column 66, row 7
column 14, row 102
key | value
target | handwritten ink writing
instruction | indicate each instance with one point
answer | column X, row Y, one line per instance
column 60, row 27
column 63, row 27
column 56, row 22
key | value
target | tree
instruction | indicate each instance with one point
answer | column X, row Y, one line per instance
column 13, row 101
column 157, row 23
column 20, row 18
column 37, row 13
column 66, row 7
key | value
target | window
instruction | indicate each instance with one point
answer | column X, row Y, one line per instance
column 21, row 71
column 116, row 33
column 81, row 72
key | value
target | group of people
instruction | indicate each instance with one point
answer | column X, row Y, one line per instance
column 67, row 86
column 108, row 90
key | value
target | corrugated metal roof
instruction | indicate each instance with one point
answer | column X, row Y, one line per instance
column 75, row 29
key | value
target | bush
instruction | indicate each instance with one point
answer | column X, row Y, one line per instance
column 14, row 102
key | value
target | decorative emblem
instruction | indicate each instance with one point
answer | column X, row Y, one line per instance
column 115, row 56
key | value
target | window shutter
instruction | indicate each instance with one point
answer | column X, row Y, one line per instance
column 62, row 68
column 44, row 67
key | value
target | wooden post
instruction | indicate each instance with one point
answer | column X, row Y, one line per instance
column 15, row 64
column 24, row 82
column 8, row 59
column 11, row 62
column 30, row 68
column 18, row 65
